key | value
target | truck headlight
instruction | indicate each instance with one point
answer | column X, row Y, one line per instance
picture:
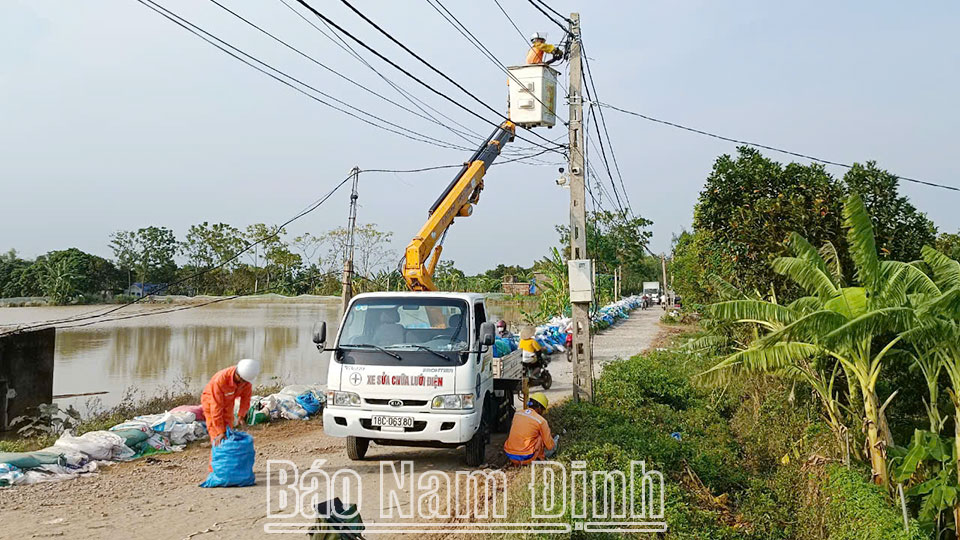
column 453, row 401
column 342, row 399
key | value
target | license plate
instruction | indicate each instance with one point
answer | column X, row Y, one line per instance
column 392, row 421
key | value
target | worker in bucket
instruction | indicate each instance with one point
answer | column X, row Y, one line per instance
column 530, row 438
column 220, row 394
column 538, row 46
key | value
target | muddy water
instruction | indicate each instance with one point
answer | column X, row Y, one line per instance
column 182, row 349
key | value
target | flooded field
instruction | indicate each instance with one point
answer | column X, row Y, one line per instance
column 184, row 348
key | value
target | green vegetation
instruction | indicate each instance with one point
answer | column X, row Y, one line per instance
column 751, row 204
column 752, row 461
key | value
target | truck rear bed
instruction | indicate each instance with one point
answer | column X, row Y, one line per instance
column 508, row 367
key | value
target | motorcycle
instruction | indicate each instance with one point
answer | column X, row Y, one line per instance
column 537, row 373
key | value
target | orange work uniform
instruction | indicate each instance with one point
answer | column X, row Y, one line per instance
column 535, row 54
column 529, row 437
column 218, row 400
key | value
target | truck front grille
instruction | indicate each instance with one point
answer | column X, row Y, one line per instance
column 406, row 402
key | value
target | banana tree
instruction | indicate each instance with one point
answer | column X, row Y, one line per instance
column 854, row 326
column 938, row 337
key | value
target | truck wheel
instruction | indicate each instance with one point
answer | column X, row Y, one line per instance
column 476, row 447
column 357, row 447
column 547, row 381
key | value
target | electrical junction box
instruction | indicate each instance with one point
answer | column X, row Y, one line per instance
column 581, row 280
column 533, row 95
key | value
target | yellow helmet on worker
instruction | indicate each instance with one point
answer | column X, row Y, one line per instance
column 540, row 398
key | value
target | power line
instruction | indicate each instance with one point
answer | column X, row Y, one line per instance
column 451, row 166
column 566, row 31
column 313, row 206
column 419, row 58
column 555, row 12
column 465, row 32
column 415, row 101
column 515, row 27
column 223, row 47
column 766, row 147
column 324, row 66
column 603, row 122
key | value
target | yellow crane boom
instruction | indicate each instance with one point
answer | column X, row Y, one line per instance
column 423, row 252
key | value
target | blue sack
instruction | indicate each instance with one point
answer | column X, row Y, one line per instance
column 309, row 402
column 232, row 461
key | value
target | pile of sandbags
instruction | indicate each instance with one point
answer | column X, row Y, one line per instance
column 294, row 402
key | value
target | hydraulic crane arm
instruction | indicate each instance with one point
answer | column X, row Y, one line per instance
column 423, row 252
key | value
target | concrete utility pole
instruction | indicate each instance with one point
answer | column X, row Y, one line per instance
column 582, row 347
column 347, row 292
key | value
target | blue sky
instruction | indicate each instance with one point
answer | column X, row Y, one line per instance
column 113, row 118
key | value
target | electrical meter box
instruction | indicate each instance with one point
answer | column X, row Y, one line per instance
column 581, row 280
column 533, row 95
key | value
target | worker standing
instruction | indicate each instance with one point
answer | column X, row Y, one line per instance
column 538, row 46
column 530, row 438
column 221, row 393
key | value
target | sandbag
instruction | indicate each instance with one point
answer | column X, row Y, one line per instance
column 165, row 422
column 31, row 460
column 133, row 424
column 197, row 411
column 232, row 461
column 309, row 402
column 131, row 437
column 97, row 445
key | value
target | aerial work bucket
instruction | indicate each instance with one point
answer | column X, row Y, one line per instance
column 533, row 95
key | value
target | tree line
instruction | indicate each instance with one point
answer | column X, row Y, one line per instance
column 215, row 259
column 221, row 259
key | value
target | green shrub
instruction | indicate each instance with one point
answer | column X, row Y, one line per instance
column 856, row 509
column 630, row 384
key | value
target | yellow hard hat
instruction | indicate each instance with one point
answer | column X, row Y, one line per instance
column 540, row 398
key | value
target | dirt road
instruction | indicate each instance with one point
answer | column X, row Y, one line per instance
column 159, row 498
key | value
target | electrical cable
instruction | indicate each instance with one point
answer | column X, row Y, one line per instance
column 415, row 101
column 418, row 57
column 555, row 12
column 465, row 32
column 313, row 206
column 766, row 147
column 548, row 16
column 515, row 27
column 324, row 66
column 603, row 122
column 451, row 166
column 223, row 45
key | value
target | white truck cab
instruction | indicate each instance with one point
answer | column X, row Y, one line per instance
column 417, row 369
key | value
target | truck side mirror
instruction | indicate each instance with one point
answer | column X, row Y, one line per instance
column 488, row 334
column 320, row 335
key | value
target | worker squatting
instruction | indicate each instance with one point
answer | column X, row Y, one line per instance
column 554, row 491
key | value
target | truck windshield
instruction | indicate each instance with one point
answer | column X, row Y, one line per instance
column 437, row 324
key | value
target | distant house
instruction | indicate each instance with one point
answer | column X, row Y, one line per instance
column 140, row 290
column 511, row 286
